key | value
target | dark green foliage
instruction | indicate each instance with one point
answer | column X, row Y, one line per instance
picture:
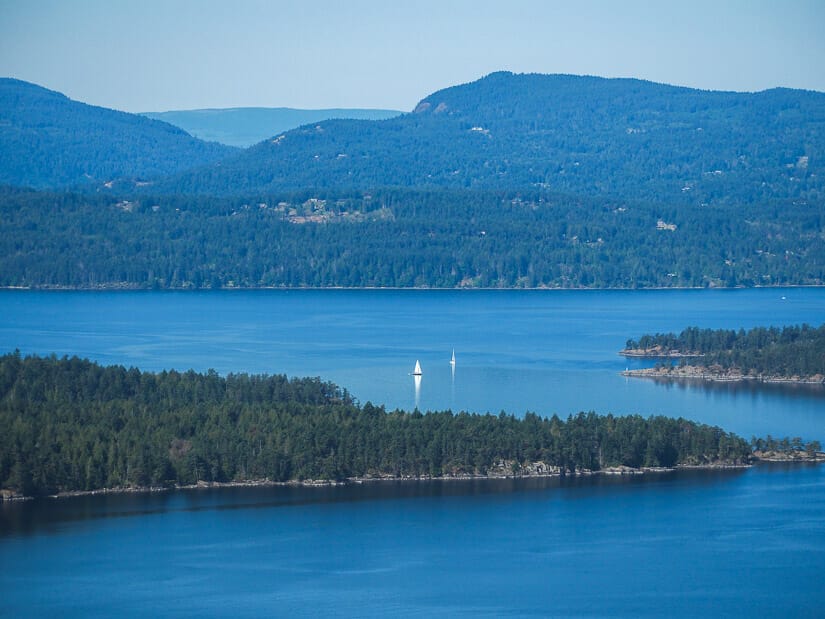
column 790, row 351
column 70, row 424
column 48, row 140
column 785, row 445
column 581, row 135
column 402, row 238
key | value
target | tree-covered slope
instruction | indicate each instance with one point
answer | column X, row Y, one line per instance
column 402, row 238
column 580, row 135
column 245, row 126
column 49, row 141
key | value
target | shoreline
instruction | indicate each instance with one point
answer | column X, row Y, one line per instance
column 658, row 353
column 699, row 372
column 614, row 471
column 127, row 287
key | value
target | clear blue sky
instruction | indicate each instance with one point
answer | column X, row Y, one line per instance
column 157, row 55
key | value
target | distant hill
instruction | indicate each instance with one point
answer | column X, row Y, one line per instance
column 245, row 126
column 579, row 135
column 621, row 138
column 48, row 140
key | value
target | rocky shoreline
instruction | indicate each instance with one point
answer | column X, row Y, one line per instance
column 531, row 471
column 719, row 374
column 657, row 352
column 503, row 470
column 789, row 456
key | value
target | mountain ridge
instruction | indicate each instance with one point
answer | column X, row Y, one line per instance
column 597, row 136
column 48, row 141
column 622, row 138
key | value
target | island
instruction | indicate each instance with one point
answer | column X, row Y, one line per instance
column 792, row 354
column 69, row 425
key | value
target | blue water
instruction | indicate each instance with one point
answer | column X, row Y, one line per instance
column 689, row 544
column 686, row 544
column 542, row 351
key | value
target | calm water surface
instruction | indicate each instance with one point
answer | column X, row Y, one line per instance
column 541, row 351
column 731, row 543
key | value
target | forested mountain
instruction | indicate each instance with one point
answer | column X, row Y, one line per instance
column 402, row 238
column 245, row 126
column 48, row 140
column 592, row 136
column 510, row 181
column 69, row 424
column 580, row 135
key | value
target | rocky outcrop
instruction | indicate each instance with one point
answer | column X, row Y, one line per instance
column 720, row 374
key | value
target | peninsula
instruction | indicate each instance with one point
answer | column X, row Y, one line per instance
column 69, row 425
column 793, row 354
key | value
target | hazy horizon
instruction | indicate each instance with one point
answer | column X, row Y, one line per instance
column 155, row 56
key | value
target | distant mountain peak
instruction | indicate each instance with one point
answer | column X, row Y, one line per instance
column 247, row 126
column 9, row 84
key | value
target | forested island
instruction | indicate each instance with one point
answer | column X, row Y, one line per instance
column 69, row 424
column 792, row 354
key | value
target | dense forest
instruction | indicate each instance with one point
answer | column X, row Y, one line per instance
column 70, row 424
column 402, row 238
column 49, row 141
column 580, row 135
column 770, row 351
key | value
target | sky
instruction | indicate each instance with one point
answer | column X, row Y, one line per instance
column 159, row 55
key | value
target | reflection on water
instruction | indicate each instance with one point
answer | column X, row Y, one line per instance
column 742, row 388
column 688, row 543
column 50, row 515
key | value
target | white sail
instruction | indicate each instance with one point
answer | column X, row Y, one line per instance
column 452, row 359
column 417, row 371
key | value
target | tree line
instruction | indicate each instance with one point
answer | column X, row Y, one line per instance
column 71, row 424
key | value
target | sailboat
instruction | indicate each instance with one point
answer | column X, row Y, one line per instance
column 452, row 359
column 417, row 371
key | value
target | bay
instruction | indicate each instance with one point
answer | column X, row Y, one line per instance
column 684, row 544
